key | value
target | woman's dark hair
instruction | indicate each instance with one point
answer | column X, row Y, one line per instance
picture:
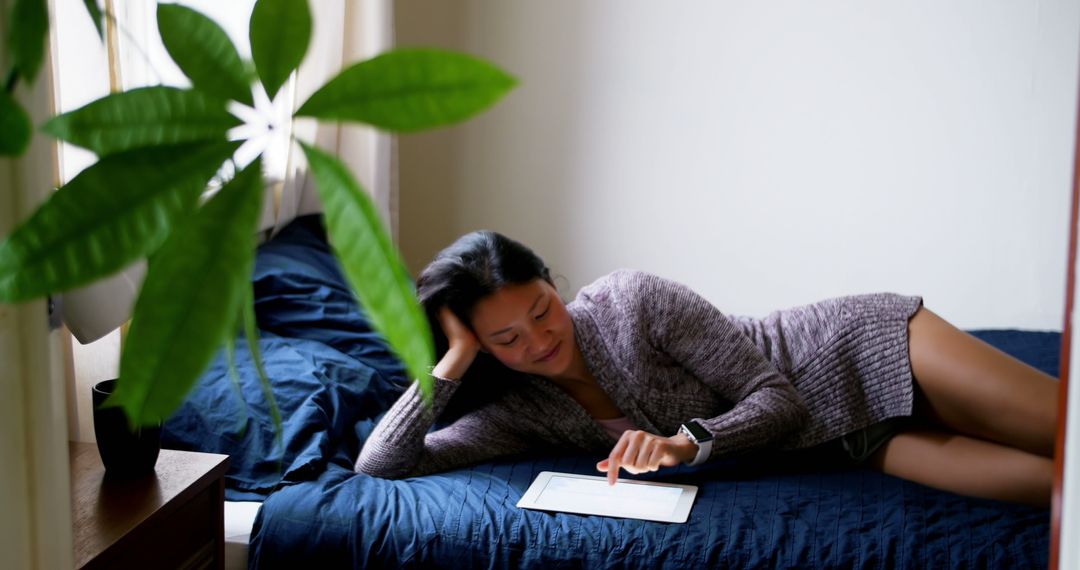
column 476, row 265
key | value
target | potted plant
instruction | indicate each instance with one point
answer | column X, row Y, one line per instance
column 157, row 149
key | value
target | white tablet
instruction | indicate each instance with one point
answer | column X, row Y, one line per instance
column 588, row 495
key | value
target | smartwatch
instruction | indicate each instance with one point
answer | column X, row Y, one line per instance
column 700, row 436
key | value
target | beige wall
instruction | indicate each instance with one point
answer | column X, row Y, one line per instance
column 430, row 162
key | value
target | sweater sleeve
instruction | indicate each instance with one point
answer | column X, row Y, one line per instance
column 698, row 336
column 401, row 445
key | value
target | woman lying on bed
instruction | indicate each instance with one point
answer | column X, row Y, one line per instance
column 649, row 373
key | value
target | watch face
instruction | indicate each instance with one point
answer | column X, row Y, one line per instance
column 699, row 433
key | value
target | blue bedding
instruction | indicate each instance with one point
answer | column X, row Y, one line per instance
column 333, row 378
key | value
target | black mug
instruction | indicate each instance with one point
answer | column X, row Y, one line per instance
column 124, row 452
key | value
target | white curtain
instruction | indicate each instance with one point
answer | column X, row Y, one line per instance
column 345, row 32
column 80, row 70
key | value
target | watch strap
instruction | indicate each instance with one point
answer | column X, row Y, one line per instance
column 704, row 448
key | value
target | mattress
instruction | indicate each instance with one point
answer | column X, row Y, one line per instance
column 239, row 518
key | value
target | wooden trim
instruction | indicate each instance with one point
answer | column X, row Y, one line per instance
column 1066, row 357
column 112, row 43
column 219, row 518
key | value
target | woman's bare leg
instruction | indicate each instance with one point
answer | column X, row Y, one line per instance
column 967, row 466
column 972, row 388
column 987, row 421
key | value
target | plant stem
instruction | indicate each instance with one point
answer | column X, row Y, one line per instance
column 12, row 80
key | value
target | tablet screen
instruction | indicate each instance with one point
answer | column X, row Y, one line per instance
column 566, row 493
column 583, row 494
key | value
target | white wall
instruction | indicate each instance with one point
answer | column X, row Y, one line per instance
column 767, row 154
column 1068, row 548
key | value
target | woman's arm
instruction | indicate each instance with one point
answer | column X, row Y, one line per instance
column 703, row 340
column 400, row 445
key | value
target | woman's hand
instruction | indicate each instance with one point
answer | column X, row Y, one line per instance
column 463, row 346
column 640, row 451
column 458, row 333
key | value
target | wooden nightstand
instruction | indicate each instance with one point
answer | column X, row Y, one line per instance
column 173, row 519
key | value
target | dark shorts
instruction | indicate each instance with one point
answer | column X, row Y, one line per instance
column 860, row 445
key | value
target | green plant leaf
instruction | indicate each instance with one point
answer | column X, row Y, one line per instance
column 94, row 11
column 251, row 331
column 112, row 213
column 148, row 116
column 188, row 304
column 234, row 380
column 27, row 29
column 410, row 90
column 372, row 265
column 15, row 126
column 280, row 31
column 204, row 53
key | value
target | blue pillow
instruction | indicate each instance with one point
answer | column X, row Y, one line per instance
column 332, row 376
column 300, row 292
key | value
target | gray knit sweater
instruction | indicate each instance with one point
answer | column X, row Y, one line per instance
column 665, row 355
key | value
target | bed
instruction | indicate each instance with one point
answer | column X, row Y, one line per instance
column 333, row 378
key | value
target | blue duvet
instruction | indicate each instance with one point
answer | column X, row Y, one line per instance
column 333, row 378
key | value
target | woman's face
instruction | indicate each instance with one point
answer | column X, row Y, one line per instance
column 527, row 328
